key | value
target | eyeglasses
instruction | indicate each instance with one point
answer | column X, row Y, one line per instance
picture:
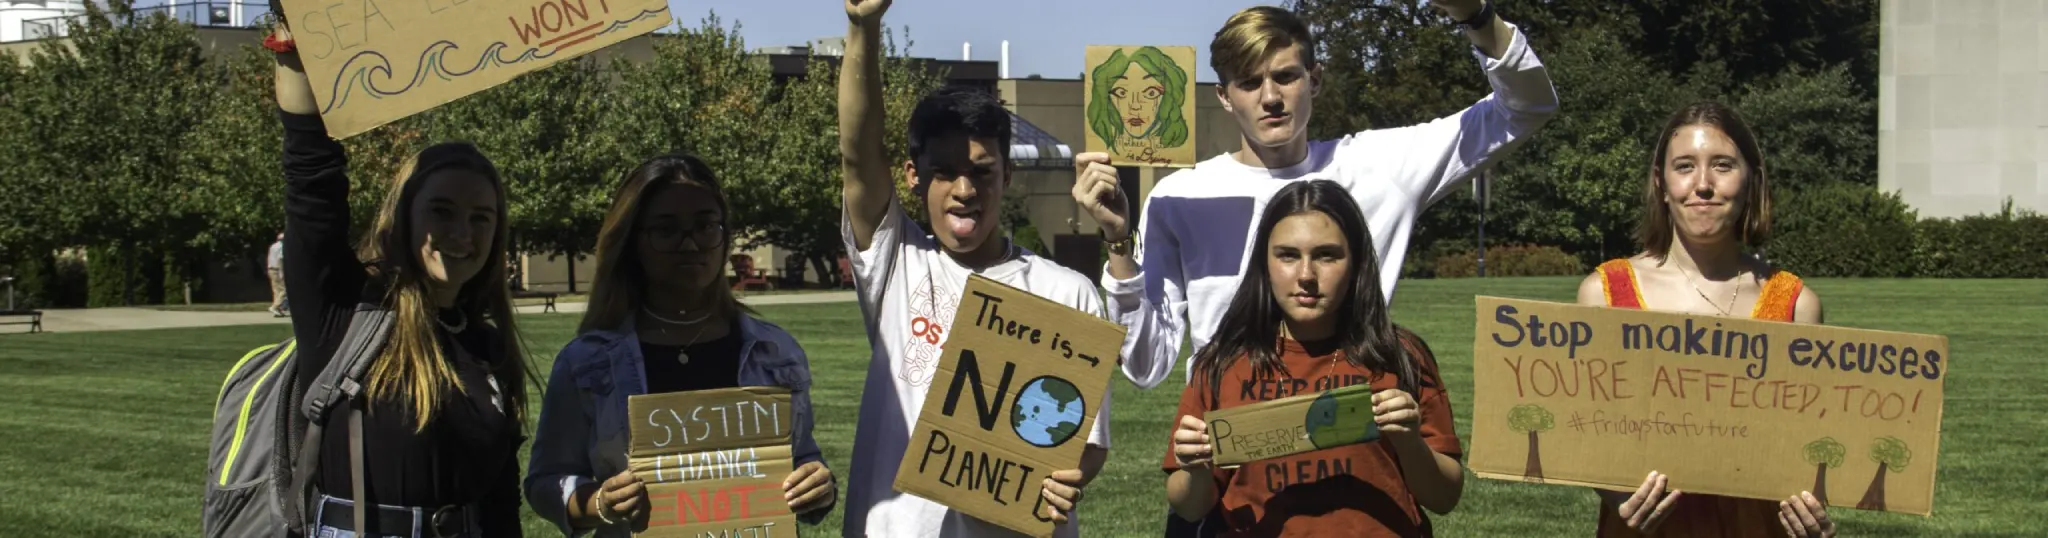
column 705, row 234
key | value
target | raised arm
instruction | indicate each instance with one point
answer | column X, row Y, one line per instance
column 1442, row 154
column 861, row 160
column 323, row 278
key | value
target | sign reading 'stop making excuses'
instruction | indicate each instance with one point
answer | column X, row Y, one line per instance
column 1738, row 407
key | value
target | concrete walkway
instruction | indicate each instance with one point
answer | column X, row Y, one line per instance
column 129, row 319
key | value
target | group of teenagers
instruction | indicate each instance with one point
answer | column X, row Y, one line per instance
column 1278, row 261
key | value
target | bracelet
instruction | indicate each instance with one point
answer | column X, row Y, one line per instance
column 1479, row 20
column 1120, row 247
column 603, row 508
column 280, row 46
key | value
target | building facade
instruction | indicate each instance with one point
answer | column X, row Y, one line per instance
column 1963, row 105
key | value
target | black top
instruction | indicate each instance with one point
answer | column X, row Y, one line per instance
column 714, row 364
column 469, row 454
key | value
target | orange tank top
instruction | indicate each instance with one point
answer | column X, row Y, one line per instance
column 1700, row 515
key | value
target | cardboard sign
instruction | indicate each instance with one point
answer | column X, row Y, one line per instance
column 1015, row 395
column 1141, row 104
column 713, row 461
column 1600, row 397
column 1292, row 425
column 372, row 62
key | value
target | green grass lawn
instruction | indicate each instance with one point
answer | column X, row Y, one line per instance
column 104, row 434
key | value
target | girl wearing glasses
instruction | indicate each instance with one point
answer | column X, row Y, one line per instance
column 662, row 318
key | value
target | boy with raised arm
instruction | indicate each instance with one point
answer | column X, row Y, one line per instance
column 1180, row 276
column 910, row 282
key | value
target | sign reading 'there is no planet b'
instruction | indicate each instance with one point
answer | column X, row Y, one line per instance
column 1016, row 393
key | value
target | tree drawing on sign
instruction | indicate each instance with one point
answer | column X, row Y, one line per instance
column 1891, row 455
column 1532, row 419
column 1137, row 103
column 1822, row 454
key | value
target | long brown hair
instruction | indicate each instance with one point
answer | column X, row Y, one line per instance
column 411, row 366
column 620, row 285
column 1654, row 232
column 1251, row 325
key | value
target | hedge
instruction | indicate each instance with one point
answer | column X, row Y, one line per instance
column 1509, row 260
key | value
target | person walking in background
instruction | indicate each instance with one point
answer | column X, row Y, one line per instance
column 276, row 264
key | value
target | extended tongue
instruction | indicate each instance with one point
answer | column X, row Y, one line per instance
column 961, row 225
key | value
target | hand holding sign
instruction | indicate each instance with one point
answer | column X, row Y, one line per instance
column 623, row 497
column 1062, row 490
column 809, row 488
column 1394, row 410
column 1192, row 446
column 1096, row 189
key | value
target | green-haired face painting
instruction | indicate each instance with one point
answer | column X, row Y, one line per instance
column 1136, row 103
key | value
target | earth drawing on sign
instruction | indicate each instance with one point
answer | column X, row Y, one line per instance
column 1048, row 412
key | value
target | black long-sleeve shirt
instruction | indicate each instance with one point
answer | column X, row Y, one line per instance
column 469, row 453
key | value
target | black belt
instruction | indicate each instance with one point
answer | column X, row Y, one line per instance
column 445, row 522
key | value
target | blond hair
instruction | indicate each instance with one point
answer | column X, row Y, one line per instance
column 411, row 369
column 1254, row 34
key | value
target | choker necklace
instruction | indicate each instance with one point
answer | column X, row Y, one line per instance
column 461, row 322
column 658, row 317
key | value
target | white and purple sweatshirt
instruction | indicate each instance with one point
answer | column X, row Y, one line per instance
column 1197, row 223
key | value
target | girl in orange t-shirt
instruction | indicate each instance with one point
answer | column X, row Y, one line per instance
column 1706, row 199
column 1308, row 317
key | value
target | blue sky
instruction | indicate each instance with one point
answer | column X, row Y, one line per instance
column 1047, row 37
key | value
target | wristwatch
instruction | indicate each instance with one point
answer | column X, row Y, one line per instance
column 1481, row 19
column 1120, row 247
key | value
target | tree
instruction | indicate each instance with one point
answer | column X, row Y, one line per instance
column 1890, row 454
column 106, row 113
column 546, row 133
column 1814, row 128
column 230, row 163
column 1532, row 419
column 1804, row 73
column 1822, row 454
column 791, row 198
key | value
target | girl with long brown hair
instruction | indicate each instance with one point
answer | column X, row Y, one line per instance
column 1309, row 314
column 662, row 318
column 1706, row 216
column 444, row 399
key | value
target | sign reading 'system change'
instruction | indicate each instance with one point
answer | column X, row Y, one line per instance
column 1600, row 397
column 713, row 461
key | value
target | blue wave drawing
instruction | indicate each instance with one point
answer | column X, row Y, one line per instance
column 362, row 70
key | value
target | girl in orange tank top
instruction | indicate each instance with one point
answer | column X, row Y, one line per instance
column 1706, row 214
column 1695, row 514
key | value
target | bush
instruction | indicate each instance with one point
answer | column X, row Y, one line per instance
column 47, row 282
column 122, row 276
column 2001, row 245
column 1841, row 229
column 1511, row 260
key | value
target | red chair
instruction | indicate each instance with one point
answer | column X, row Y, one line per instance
column 745, row 276
column 845, row 272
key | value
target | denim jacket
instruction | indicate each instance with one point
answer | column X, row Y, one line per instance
column 583, row 432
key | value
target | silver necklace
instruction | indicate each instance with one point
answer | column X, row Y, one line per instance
column 683, row 351
column 1725, row 312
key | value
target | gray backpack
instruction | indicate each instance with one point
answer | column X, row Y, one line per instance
column 266, row 436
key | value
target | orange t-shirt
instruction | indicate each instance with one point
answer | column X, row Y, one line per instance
column 1354, row 490
column 1702, row 515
